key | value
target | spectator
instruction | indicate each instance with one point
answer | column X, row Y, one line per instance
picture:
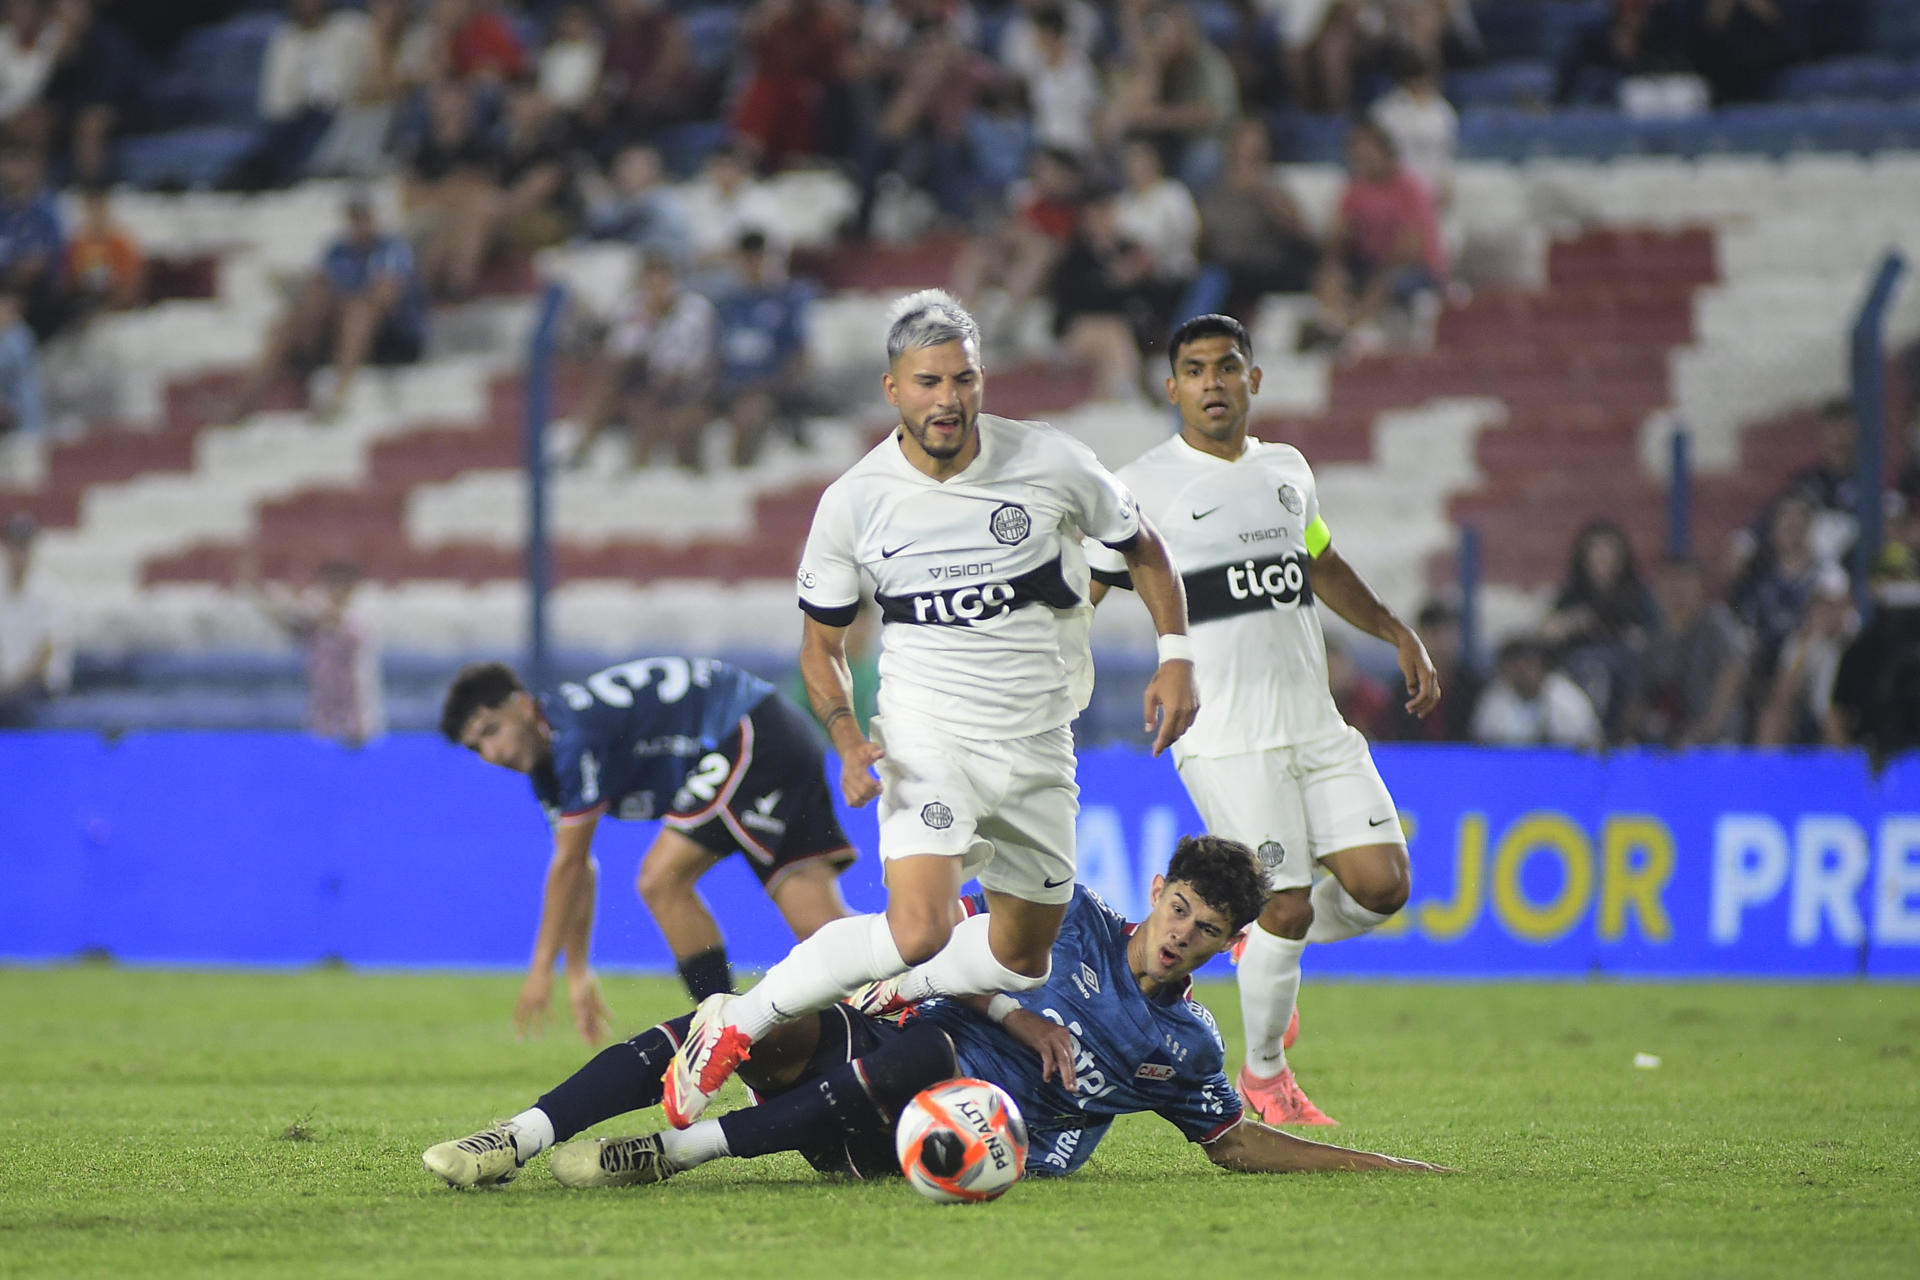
column 1102, row 300
column 464, row 41
column 727, row 202
column 355, row 146
column 763, row 321
column 364, row 305
column 316, row 64
column 1156, row 214
column 1061, row 84
column 345, row 701
column 32, row 241
column 530, row 203
column 1319, row 45
column 1362, row 700
column 656, row 368
column 1528, row 702
column 1772, row 596
column 31, row 40
column 1694, row 668
column 1831, row 483
column 105, row 268
column 1602, row 619
column 1460, row 680
column 1251, row 228
column 1636, row 37
column 36, row 656
column 1422, row 124
column 1016, row 257
column 22, row 408
column 1876, row 691
column 795, row 101
column 450, row 192
column 923, row 77
column 570, row 64
column 96, row 83
column 1175, row 88
column 636, row 208
column 649, row 77
column 1798, row 706
column 1384, row 246
column 1740, row 47
column 1020, row 50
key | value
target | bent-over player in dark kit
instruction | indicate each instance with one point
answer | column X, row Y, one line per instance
column 724, row 763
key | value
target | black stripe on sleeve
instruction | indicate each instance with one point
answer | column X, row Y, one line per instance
column 1125, row 544
column 837, row 616
column 1114, row 578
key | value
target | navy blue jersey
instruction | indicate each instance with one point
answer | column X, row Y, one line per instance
column 1131, row 1053
column 626, row 740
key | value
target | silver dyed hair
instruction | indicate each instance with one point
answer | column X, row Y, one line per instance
column 928, row 318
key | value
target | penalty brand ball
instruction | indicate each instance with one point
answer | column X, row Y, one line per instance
column 961, row 1140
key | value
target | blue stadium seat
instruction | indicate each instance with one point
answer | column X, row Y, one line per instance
column 196, row 157
column 712, row 29
column 1896, row 28
column 684, row 146
column 214, row 75
column 1502, row 84
column 1299, row 138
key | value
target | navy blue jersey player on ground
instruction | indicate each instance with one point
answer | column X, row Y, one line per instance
column 714, row 753
column 1115, row 1030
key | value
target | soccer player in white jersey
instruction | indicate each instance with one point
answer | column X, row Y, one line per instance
column 1269, row 761
column 958, row 520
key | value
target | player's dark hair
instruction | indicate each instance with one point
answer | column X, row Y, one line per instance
column 479, row 686
column 1211, row 325
column 1224, row 873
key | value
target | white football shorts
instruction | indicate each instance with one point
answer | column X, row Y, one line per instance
column 1007, row 808
column 1295, row 805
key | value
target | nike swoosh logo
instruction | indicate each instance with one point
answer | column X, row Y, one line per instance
column 1055, row 884
column 1202, row 515
column 1378, row 822
column 885, row 554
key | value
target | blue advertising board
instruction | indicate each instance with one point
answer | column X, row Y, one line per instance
column 277, row 849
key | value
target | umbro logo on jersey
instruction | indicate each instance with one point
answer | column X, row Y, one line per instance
column 1088, row 981
column 889, row 553
column 1202, row 515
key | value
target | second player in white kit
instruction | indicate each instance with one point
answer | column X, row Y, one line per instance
column 1269, row 760
column 967, row 527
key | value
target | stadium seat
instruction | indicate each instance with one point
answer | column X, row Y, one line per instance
column 194, row 158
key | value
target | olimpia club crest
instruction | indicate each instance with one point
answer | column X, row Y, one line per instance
column 1010, row 523
column 1290, row 499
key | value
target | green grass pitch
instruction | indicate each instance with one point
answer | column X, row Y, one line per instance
column 192, row 1123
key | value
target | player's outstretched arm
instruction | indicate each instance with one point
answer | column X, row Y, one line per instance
column 1252, row 1147
column 823, row 669
column 1347, row 594
column 568, row 899
column 1172, row 699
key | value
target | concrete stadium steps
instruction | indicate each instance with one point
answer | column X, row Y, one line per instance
column 1600, row 313
column 1684, row 256
column 927, row 263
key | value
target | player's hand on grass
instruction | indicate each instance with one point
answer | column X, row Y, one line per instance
column 1423, row 682
column 857, row 782
column 1171, row 702
column 530, row 1010
column 591, row 1016
column 1052, row 1042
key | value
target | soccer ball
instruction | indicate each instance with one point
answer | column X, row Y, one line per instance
column 961, row 1140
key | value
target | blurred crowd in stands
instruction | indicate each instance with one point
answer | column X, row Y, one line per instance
column 1660, row 658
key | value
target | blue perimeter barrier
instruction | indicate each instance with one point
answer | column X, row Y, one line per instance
column 278, row 849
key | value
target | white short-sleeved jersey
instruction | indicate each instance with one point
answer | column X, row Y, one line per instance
column 968, row 573
column 1243, row 536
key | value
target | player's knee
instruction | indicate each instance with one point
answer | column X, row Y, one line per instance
column 919, row 938
column 658, row 885
column 1385, row 886
column 1288, row 914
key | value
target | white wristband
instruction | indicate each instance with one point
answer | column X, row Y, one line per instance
column 1001, row 1006
column 1175, row 647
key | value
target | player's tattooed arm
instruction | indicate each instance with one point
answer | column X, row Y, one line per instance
column 1252, row 1147
column 823, row 668
column 1347, row 594
column 1172, row 699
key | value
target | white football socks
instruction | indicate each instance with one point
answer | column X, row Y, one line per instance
column 699, row 1142
column 532, row 1133
column 1269, row 986
column 840, row 958
column 966, row 966
column 1336, row 916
